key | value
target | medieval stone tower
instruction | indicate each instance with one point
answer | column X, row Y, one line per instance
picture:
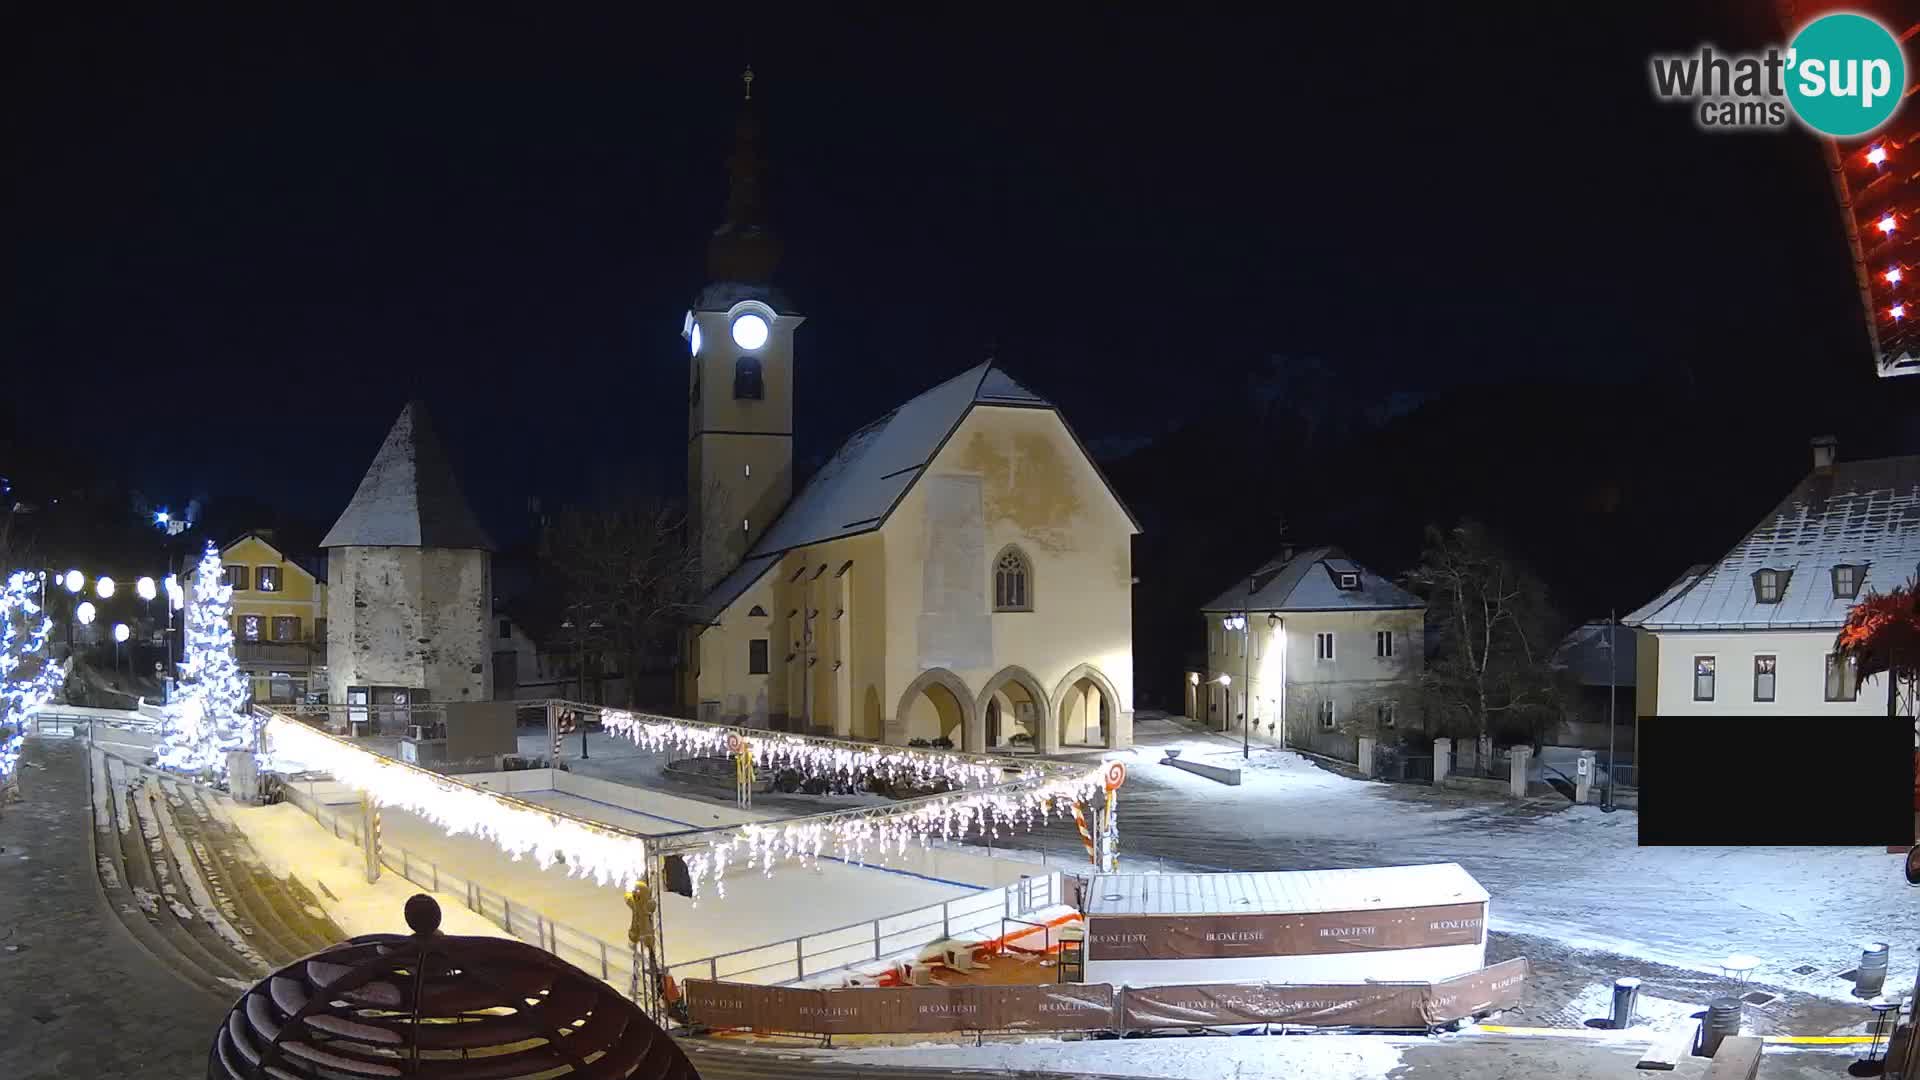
column 408, row 572
column 740, row 389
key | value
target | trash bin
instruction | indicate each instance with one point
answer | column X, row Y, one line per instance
column 1626, row 997
column 1872, row 975
column 1723, row 1021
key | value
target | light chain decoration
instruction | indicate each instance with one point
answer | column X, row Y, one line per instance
column 846, row 762
column 888, row 831
column 28, row 676
column 607, row 856
column 209, row 719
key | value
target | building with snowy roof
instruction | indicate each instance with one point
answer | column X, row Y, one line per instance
column 408, row 591
column 1754, row 632
column 959, row 569
column 1317, row 648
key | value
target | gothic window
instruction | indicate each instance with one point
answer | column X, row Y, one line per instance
column 746, row 379
column 1012, row 581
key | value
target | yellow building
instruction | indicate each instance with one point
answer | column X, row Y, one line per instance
column 279, row 618
column 959, row 569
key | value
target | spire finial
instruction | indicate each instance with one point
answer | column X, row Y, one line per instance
column 746, row 80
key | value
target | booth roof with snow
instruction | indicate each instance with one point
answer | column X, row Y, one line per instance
column 1390, row 923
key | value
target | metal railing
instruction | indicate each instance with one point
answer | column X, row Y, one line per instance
column 796, row 958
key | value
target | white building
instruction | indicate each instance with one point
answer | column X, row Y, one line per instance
column 1319, row 648
column 1754, row 632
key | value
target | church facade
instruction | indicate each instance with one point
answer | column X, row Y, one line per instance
column 959, row 570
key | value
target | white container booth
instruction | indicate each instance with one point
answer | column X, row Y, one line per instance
column 1385, row 924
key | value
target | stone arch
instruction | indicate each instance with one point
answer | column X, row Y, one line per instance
column 952, row 710
column 1072, row 715
column 1023, row 686
column 870, row 724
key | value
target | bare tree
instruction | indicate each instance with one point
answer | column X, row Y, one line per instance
column 1495, row 634
column 625, row 571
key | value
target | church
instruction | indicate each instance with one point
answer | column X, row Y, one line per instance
column 958, row 572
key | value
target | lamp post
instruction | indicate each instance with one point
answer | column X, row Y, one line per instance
column 1613, row 692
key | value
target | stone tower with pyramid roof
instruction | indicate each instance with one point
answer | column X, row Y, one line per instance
column 409, row 574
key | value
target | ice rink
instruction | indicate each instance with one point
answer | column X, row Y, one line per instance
column 756, row 910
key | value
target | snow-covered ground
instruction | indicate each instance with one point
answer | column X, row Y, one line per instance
column 1323, row 1057
column 1555, row 871
column 290, row 842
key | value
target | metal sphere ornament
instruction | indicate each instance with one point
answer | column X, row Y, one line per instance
column 433, row 1004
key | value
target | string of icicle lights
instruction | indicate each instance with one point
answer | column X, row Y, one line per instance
column 887, row 832
column 608, row 857
column 846, row 762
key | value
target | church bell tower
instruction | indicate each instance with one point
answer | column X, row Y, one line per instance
column 739, row 334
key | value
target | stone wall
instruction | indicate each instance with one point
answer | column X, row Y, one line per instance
column 412, row 617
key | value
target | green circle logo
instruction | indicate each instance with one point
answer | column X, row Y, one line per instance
column 1845, row 75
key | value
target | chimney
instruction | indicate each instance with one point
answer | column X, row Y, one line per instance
column 1825, row 449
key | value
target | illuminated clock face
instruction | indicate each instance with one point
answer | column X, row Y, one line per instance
column 750, row 331
column 694, row 339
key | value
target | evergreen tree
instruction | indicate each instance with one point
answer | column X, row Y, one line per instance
column 28, row 675
column 211, row 717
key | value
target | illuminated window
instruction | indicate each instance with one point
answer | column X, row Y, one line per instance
column 250, row 627
column 1703, row 678
column 1763, row 672
column 1012, row 581
column 286, row 628
column 267, row 579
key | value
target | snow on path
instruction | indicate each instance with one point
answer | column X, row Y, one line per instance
column 1323, row 1057
column 1576, row 875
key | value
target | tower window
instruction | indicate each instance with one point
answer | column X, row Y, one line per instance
column 1323, row 645
column 757, row 656
column 746, row 379
column 1383, row 644
column 1012, row 581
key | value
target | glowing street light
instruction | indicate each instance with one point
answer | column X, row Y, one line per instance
column 105, row 588
column 1226, row 680
column 120, row 632
column 145, row 588
column 74, row 580
column 84, row 612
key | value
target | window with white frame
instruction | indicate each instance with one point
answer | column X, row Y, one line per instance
column 1764, row 668
column 1383, row 644
column 1327, row 717
column 1843, row 678
column 1323, row 645
column 1703, row 678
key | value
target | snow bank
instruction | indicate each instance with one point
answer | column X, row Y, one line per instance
column 1323, row 1057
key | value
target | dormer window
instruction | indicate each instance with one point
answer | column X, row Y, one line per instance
column 1349, row 581
column 1769, row 586
column 1846, row 581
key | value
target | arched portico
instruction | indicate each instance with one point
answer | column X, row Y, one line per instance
column 1086, row 709
column 1005, row 694
column 938, row 704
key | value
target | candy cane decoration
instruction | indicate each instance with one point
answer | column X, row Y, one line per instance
column 1086, row 834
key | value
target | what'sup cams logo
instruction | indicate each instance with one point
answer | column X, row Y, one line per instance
column 1842, row 75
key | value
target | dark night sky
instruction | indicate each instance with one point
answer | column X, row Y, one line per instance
column 235, row 240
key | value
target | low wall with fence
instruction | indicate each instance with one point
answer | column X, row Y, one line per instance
column 1103, row 1007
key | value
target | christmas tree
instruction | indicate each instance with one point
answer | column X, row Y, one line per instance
column 28, row 675
column 211, row 717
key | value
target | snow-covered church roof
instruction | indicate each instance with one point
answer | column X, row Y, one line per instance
column 1854, row 513
column 871, row 472
column 409, row 497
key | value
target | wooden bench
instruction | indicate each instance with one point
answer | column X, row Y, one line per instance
column 1737, row 1059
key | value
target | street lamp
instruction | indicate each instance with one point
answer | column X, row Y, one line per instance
column 105, row 587
column 84, row 612
column 119, row 638
column 1613, row 691
column 74, row 580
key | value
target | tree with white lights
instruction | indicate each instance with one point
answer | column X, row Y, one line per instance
column 210, row 718
column 28, row 674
